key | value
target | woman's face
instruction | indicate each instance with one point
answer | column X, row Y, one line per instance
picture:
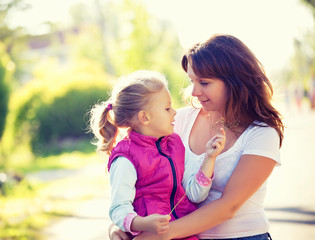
column 211, row 92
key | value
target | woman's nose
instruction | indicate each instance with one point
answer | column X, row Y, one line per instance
column 195, row 90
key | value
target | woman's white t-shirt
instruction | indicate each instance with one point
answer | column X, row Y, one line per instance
column 256, row 140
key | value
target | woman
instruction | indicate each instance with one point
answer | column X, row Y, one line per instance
column 233, row 90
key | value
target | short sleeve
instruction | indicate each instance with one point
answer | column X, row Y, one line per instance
column 263, row 141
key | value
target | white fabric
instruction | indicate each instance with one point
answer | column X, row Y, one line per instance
column 123, row 177
column 263, row 141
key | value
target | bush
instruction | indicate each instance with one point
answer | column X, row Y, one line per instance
column 64, row 117
column 52, row 112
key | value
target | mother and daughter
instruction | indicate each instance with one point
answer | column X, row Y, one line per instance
column 208, row 179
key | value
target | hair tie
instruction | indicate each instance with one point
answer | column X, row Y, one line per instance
column 109, row 106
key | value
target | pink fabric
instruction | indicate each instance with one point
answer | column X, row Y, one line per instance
column 203, row 180
column 160, row 165
column 127, row 223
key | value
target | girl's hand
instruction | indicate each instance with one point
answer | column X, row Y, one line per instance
column 154, row 223
column 116, row 234
column 215, row 145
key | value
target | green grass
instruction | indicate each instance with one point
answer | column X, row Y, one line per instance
column 30, row 205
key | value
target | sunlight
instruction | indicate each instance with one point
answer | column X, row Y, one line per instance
column 267, row 27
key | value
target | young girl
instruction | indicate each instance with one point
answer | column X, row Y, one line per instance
column 146, row 167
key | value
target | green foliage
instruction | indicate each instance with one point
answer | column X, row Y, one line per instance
column 310, row 4
column 52, row 109
column 32, row 205
column 144, row 42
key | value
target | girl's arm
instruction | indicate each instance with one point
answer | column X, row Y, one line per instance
column 198, row 184
column 250, row 173
column 123, row 177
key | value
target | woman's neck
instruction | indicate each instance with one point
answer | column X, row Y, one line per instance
column 213, row 117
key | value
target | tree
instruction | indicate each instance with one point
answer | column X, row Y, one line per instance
column 8, row 36
column 311, row 4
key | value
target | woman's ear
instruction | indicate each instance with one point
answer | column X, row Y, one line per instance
column 144, row 117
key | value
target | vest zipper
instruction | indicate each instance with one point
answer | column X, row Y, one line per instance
column 172, row 199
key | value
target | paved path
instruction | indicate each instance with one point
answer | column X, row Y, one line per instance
column 290, row 201
column 90, row 220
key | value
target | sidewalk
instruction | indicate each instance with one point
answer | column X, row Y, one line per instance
column 290, row 201
column 90, row 220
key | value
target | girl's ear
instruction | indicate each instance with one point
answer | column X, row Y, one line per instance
column 144, row 117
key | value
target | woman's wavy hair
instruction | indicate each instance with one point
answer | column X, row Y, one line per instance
column 128, row 97
column 249, row 90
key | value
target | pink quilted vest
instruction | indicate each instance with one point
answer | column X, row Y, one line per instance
column 160, row 167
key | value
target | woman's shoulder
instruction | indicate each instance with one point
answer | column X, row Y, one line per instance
column 182, row 119
column 261, row 127
column 186, row 111
column 261, row 134
column 261, row 139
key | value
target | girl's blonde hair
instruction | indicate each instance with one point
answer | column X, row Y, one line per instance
column 128, row 97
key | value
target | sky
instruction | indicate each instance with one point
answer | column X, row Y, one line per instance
column 267, row 27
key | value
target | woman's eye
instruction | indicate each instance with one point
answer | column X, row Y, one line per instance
column 167, row 109
column 204, row 83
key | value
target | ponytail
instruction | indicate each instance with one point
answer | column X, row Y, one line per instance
column 103, row 127
column 130, row 94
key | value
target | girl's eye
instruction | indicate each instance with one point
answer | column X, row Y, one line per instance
column 167, row 109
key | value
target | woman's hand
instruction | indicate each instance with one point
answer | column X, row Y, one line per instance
column 116, row 234
column 150, row 236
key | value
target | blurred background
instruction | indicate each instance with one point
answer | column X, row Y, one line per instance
column 58, row 58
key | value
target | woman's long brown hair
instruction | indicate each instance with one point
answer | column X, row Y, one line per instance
column 249, row 91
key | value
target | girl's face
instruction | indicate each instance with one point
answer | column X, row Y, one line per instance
column 161, row 114
column 211, row 92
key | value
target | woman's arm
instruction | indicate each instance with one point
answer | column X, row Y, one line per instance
column 250, row 173
column 114, row 233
